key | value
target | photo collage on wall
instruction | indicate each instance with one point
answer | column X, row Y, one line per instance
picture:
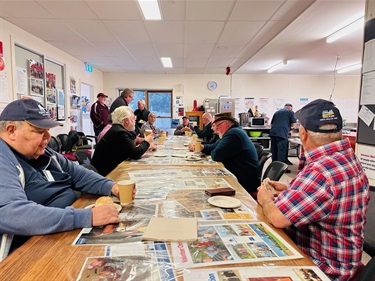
column 51, row 94
column 36, row 80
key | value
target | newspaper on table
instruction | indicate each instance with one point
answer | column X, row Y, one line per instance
column 264, row 273
column 134, row 220
column 233, row 243
column 136, row 261
column 173, row 209
column 178, row 173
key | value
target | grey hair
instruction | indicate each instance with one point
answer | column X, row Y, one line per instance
column 320, row 139
column 127, row 93
column 120, row 114
column 4, row 124
column 142, row 102
column 152, row 113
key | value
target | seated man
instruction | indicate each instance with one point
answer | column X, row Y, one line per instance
column 37, row 184
column 235, row 151
column 150, row 125
column 324, row 208
column 141, row 114
column 184, row 127
column 207, row 133
column 118, row 144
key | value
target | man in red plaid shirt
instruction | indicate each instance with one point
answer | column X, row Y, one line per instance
column 324, row 208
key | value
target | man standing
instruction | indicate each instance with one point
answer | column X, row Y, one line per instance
column 141, row 114
column 324, row 208
column 207, row 133
column 184, row 127
column 99, row 113
column 235, row 151
column 124, row 99
column 281, row 123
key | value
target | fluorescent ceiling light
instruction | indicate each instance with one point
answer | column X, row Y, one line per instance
column 167, row 62
column 150, row 9
column 355, row 25
column 349, row 68
column 277, row 66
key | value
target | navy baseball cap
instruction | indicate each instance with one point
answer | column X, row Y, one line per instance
column 319, row 112
column 28, row 110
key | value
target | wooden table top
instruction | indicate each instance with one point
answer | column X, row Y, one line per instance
column 53, row 257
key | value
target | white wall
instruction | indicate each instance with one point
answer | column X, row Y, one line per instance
column 10, row 35
column 194, row 86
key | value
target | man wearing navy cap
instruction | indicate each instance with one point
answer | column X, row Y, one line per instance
column 37, row 184
column 99, row 113
column 324, row 208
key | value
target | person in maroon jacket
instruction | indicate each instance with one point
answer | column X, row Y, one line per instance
column 99, row 113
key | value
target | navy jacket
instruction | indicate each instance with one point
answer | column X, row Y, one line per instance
column 238, row 155
column 206, row 134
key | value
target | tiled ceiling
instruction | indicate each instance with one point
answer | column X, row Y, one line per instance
column 201, row 36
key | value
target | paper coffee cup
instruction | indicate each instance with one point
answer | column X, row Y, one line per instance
column 148, row 132
column 161, row 140
column 197, row 146
column 194, row 138
column 126, row 188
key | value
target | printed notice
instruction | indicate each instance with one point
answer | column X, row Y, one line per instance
column 368, row 88
column 366, row 115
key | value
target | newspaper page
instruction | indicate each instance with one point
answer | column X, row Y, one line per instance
column 134, row 220
column 264, row 273
column 233, row 243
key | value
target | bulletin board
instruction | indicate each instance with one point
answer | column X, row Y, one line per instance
column 366, row 113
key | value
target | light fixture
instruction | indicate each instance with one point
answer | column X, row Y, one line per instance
column 351, row 27
column 150, row 9
column 167, row 62
column 277, row 66
column 349, row 68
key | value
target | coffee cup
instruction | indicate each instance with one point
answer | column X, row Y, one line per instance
column 148, row 132
column 197, row 146
column 194, row 138
column 126, row 190
column 161, row 139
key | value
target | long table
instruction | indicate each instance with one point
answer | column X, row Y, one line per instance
column 53, row 257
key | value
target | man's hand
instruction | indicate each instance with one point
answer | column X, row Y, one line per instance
column 150, row 138
column 115, row 190
column 104, row 214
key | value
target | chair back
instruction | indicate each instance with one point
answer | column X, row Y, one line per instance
column 368, row 272
column 264, row 156
column 64, row 139
column 259, row 148
column 90, row 167
column 55, row 144
column 82, row 156
column 275, row 170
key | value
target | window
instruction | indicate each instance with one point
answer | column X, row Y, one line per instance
column 157, row 101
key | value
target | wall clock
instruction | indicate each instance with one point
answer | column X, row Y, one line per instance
column 212, row 85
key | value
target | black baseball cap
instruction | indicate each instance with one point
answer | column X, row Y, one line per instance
column 28, row 110
column 319, row 112
column 183, row 117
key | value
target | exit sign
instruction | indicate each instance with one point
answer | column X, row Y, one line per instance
column 88, row 67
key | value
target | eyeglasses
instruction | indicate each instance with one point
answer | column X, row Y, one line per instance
column 217, row 125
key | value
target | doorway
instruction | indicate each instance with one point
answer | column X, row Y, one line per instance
column 87, row 99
